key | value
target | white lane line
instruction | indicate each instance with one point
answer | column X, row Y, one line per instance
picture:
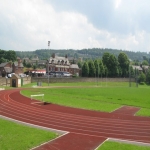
column 50, row 141
column 33, row 125
column 101, row 144
column 129, row 142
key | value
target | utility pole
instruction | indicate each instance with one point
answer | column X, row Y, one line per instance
column 48, row 61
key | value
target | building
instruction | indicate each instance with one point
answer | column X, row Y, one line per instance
column 5, row 69
column 17, row 67
column 9, row 67
column 56, row 63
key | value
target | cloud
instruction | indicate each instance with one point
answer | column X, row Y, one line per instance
column 29, row 25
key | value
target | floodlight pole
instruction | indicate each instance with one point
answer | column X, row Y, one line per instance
column 129, row 76
column 48, row 62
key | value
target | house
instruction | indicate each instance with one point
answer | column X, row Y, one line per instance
column 137, row 68
column 9, row 67
column 56, row 63
column 17, row 67
column 5, row 69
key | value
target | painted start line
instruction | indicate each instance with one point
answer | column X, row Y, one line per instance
column 80, row 129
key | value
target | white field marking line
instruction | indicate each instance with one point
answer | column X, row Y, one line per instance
column 50, row 141
column 54, row 118
column 1, row 89
column 55, row 112
column 108, row 122
column 136, row 130
column 33, row 125
column 140, row 141
column 117, row 109
column 81, row 130
column 101, row 144
column 136, row 112
column 129, row 142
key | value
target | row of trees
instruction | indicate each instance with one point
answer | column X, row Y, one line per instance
column 144, row 77
column 6, row 56
column 109, row 65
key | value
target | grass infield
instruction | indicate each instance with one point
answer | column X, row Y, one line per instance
column 99, row 98
column 14, row 136
column 109, row 145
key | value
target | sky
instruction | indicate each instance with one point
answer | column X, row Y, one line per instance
column 28, row 25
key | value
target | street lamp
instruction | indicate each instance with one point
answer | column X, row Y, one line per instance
column 48, row 62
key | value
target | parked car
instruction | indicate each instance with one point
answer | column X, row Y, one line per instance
column 66, row 74
column 22, row 75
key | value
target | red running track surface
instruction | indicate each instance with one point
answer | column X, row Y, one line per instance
column 86, row 129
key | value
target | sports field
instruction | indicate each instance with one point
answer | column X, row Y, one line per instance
column 99, row 98
column 105, row 97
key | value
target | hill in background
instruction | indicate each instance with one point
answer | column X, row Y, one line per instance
column 84, row 53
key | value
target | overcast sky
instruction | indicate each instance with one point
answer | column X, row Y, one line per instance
column 27, row 25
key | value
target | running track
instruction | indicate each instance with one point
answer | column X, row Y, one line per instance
column 86, row 130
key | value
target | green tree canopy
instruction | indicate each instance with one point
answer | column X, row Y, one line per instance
column 85, row 69
column 92, row 70
column 123, row 63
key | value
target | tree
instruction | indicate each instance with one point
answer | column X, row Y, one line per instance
column 105, row 59
column 85, row 69
column 92, row 70
column 113, row 66
column 148, row 76
column 10, row 55
column 97, row 68
column 24, row 63
column 80, row 64
column 141, row 77
column 145, row 62
column 123, row 63
column 28, row 65
column 2, row 56
column 102, row 69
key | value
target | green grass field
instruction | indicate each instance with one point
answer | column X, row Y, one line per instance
column 109, row 145
column 14, row 136
column 98, row 98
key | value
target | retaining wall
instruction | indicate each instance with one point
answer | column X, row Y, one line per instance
column 79, row 79
column 6, row 82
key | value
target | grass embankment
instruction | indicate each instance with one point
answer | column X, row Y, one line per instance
column 97, row 98
column 121, row 146
column 14, row 136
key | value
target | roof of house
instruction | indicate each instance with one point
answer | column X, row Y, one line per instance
column 57, row 59
column 145, row 67
column 16, row 76
column 8, row 69
column 137, row 67
column 74, row 66
column 16, row 64
column 3, row 64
